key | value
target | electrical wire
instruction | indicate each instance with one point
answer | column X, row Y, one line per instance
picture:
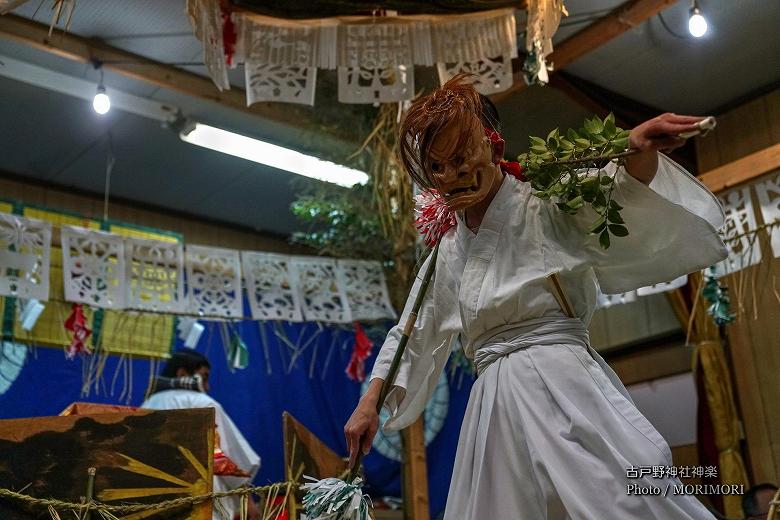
column 669, row 29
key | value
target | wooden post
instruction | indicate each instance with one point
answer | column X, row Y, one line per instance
column 415, row 473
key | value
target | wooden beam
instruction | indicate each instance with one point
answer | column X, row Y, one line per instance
column 415, row 493
column 88, row 50
column 742, row 170
column 626, row 16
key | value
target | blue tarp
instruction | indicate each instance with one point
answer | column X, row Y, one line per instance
column 315, row 390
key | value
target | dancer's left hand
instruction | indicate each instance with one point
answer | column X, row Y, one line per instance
column 660, row 134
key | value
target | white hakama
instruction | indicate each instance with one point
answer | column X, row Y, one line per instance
column 550, row 432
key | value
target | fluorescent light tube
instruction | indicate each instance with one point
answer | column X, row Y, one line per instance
column 271, row 155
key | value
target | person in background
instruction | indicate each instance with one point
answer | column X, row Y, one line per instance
column 190, row 370
column 755, row 503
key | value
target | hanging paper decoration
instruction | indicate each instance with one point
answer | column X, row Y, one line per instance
column 272, row 286
column 155, row 275
column 544, row 16
column 607, row 300
column 717, row 296
column 93, row 267
column 366, row 290
column 493, row 74
column 375, row 57
column 214, row 281
column 663, row 286
column 375, row 84
column 25, row 246
column 77, row 324
column 239, row 353
column 743, row 247
column 268, row 82
column 206, row 20
column 768, row 191
column 361, row 350
column 12, row 357
column 322, row 297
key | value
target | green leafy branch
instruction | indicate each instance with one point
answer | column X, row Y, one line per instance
column 567, row 168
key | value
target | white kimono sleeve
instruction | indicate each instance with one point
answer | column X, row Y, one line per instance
column 426, row 351
column 673, row 229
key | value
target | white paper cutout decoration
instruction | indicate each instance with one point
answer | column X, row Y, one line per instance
column 607, row 300
column 322, row 297
column 366, row 290
column 289, row 84
column 663, row 286
column 272, row 286
column 93, row 267
column 12, row 357
column 744, row 250
column 206, row 20
column 155, row 275
column 25, row 246
column 375, row 85
column 768, row 192
column 214, row 281
column 493, row 75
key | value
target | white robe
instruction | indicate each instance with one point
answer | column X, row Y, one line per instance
column 233, row 444
column 550, row 431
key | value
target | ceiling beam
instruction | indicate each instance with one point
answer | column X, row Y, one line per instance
column 623, row 18
column 89, row 50
column 743, row 169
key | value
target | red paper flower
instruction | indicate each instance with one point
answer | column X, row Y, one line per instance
column 356, row 369
column 515, row 169
column 434, row 217
column 77, row 324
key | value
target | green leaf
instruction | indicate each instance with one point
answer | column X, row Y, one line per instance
column 620, row 144
column 539, row 149
column 614, row 216
column 572, row 135
column 582, row 144
column 553, row 134
column 576, row 202
column 610, row 130
column 598, row 226
column 609, row 119
column 604, row 239
column 594, row 126
column 605, row 180
column 618, row 230
column 566, row 144
column 538, row 141
column 613, row 204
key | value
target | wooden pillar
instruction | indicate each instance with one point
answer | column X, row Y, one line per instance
column 415, row 473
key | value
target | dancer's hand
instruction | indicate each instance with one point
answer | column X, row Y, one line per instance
column 364, row 422
column 660, row 134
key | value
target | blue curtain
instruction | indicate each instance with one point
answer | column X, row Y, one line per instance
column 313, row 387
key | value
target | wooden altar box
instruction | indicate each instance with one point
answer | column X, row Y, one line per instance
column 140, row 456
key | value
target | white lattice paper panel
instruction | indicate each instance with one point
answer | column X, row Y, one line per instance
column 322, row 297
column 155, row 275
column 25, row 246
column 366, row 290
column 493, row 75
column 93, row 267
column 375, row 85
column 768, row 192
column 272, row 286
column 214, row 281
column 744, row 249
column 608, row 300
column 289, row 84
column 663, row 286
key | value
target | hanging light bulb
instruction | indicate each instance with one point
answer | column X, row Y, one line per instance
column 697, row 24
column 101, row 103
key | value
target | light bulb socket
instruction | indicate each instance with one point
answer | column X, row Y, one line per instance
column 101, row 89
